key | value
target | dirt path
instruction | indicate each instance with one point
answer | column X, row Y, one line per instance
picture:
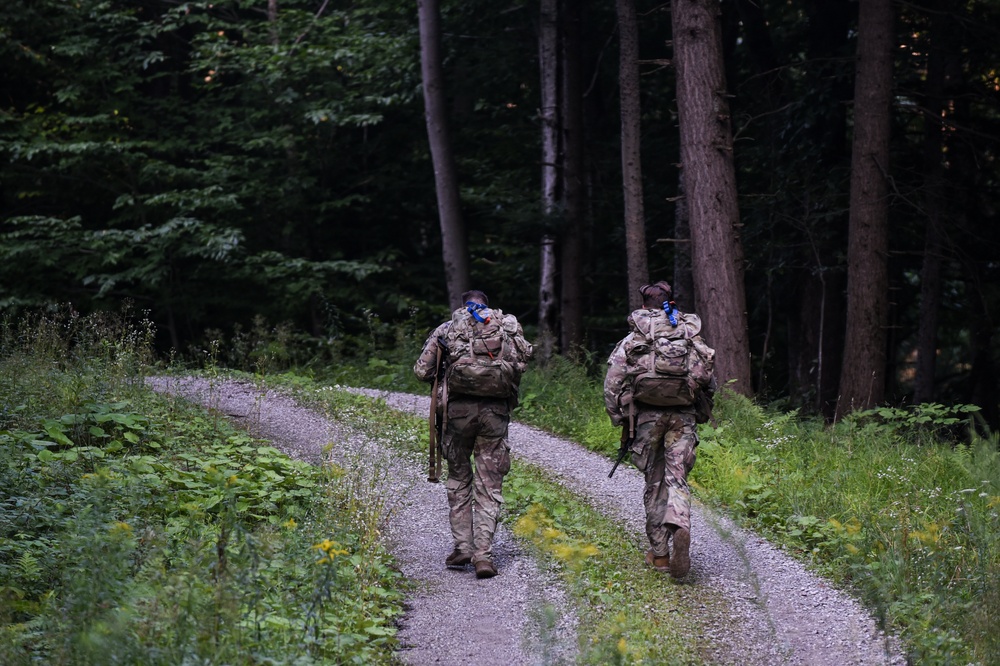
column 761, row 606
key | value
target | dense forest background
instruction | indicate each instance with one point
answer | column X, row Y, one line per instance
column 233, row 165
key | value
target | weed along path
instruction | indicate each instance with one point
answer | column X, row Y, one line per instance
column 754, row 605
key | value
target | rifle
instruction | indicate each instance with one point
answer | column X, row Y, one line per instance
column 626, row 444
column 434, row 421
column 623, row 451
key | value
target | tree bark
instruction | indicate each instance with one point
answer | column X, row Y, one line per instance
column 628, row 81
column 710, row 188
column 571, row 113
column 862, row 379
column 454, row 242
column 547, row 301
column 683, row 283
column 548, row 64
column 272, row 20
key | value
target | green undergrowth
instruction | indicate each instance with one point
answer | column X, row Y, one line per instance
column 901, row 506
column 885, row 501
column 628, row 613
column 137, row 529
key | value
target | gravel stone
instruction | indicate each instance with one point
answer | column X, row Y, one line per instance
column 762, row 607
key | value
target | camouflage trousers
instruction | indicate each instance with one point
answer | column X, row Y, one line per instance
column 476, row 432
column 664, row 450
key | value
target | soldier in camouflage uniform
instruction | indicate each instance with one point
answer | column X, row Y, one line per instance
column 475, row 429
column 664, row 441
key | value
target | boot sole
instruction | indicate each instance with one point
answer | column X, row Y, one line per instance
column 680, row 559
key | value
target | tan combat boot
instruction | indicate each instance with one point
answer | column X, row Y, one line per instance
column 457, row 559
column 485, row 569
column 658, row 562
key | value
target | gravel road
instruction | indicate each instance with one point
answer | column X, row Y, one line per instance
column 762, row 606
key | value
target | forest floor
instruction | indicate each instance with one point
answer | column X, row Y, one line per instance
column 758, row 605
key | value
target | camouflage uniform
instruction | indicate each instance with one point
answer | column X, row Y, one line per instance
column 665, row 440
column 475, row 432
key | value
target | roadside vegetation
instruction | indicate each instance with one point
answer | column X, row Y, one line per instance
column 624, row 616
column 136, row 529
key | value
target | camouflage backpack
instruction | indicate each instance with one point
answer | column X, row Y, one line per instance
column 484, row 359
column 666, row 365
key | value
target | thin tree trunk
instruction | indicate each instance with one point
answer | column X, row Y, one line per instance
column 454, row 243
column 547, row 301
column 635, row 225
column 272, row 20
column 571, row 297
column 862, row 380
column 710, row 188
column 548, row 62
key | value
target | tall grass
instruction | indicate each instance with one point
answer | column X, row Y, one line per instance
column 881, row 501
column 137, row 529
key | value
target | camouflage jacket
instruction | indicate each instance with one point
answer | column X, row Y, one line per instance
column 519, row 353
column 617, row 395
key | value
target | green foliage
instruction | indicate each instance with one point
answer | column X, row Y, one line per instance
column 605, row 573
column 878, row 502
column 137, row 529
column 561, row 398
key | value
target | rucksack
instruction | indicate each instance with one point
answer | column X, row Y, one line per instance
column 666, row 365
column 484, row 360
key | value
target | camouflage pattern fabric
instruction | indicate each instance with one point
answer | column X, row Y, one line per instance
column 664, row 450
column 476, row 432
column 665, row 439
column 474, row 441
column 520, row 351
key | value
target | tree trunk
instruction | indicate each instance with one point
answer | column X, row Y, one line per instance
column 635, row 225
column 454, row 243
column 862, row 379
column 683, row 275
column 548, row 64
column 571, row 113
column 710, row 188
column 547, row 302
column 272, row 20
